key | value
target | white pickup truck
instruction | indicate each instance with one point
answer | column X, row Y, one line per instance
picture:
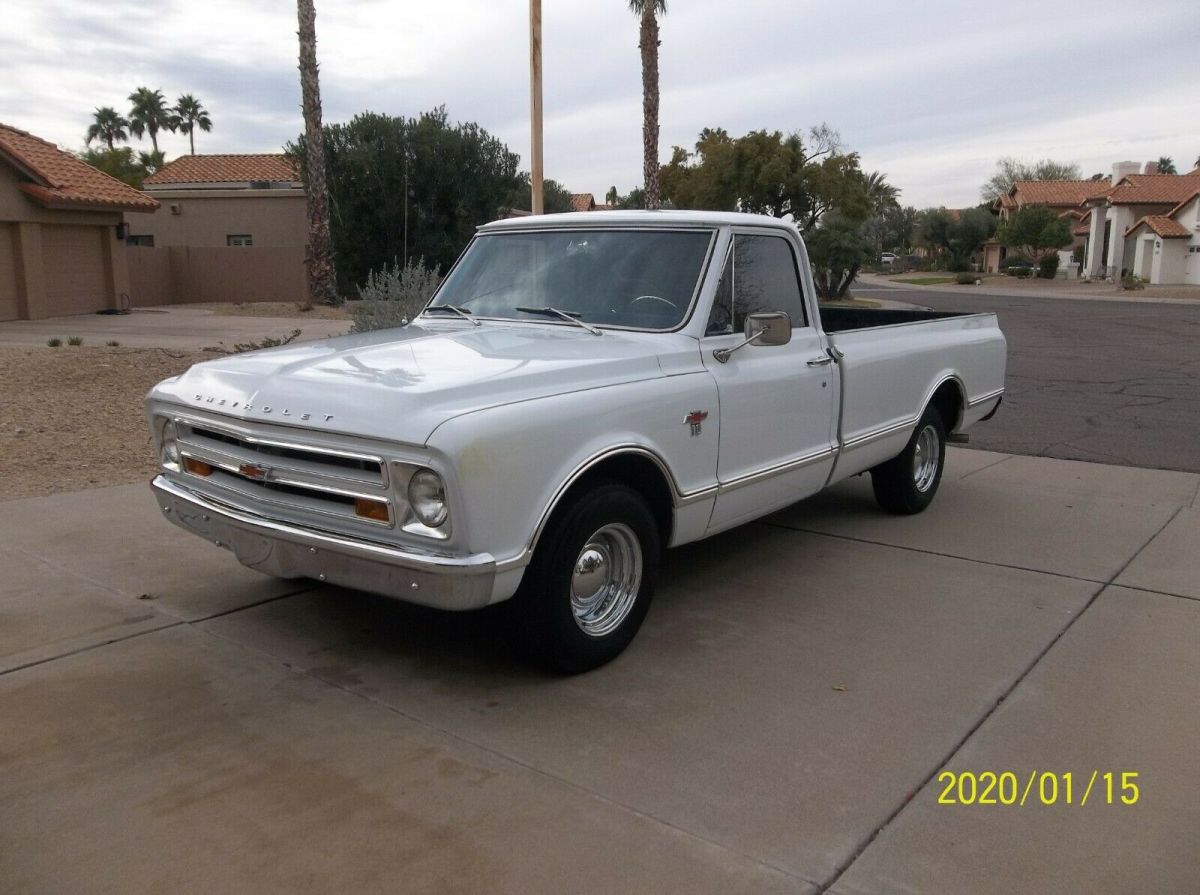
column 582, row 391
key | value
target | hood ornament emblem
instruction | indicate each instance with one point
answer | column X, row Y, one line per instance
column 695, row 419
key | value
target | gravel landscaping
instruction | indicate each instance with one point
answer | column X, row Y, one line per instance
column 71, row 417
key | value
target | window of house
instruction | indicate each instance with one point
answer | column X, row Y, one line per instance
column 146, row 240
column 239, row 239
column 760, row 275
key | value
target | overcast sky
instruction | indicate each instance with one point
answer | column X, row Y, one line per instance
column 930, row 92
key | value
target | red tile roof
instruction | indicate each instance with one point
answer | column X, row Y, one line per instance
column 1163, row 226
column 583, row 202
column 225, row 169
column 1053, row 192
column 58, row 179
column 1150, row 189
column 1178, row 208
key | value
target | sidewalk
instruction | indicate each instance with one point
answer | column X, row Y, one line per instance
column 1075, row 291
column 174, row 722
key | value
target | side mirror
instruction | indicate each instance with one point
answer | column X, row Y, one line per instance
column 769, row 328
column 765, row 328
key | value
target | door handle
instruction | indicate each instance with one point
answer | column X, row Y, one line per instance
column 820, row 361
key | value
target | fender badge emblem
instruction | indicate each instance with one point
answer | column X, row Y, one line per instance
column 694, row 419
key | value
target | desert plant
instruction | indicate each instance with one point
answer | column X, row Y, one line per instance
column 54, row 343
column 1048, row 267
column 1129, row 281
column 1019, row 271
column 75, row 340
column 393, row 296
column 112, row 343
column 965, row 278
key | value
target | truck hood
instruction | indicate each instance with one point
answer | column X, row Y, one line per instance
column 401, row 384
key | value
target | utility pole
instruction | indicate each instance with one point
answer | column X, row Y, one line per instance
column 535, row 98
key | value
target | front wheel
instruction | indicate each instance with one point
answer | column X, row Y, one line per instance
column 907, row 483
column 591, row 580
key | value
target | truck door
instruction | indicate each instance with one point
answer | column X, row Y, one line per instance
column 777, row 402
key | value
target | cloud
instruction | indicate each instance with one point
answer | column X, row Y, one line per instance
column 932, row 94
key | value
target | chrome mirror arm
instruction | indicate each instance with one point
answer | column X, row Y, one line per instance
column 722, row 354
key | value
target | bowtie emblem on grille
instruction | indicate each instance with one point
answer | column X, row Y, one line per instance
column 254, row 471
column 695, row 419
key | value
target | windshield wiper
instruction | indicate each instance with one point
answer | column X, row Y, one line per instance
column 569, row 316
column 461, row 312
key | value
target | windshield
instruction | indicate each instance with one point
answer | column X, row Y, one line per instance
column 641, row 279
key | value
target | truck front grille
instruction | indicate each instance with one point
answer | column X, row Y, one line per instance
column 273, row 476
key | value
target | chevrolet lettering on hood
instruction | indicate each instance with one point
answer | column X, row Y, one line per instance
column 265, row 408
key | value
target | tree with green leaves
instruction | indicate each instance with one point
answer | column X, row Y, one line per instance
column 648, row 42
column 118, row 162
column 190, row 115
column 150, row 114
column 108, row 126
column 1034, row 232
column 459, row 176
column 957, row 234
column 1166, row 165
column 151, row 161
column 837, row 250
column 319, row 255
column 891, row 230
column 1009, row 170
column 766, row 172
column 612, row 197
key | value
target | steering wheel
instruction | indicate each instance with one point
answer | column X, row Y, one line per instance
column 665, row 301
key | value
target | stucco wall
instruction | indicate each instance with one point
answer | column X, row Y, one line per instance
column 60, row 262
column 200, row 218
column 186, row 274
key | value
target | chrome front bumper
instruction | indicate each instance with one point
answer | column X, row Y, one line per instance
column 287, row 551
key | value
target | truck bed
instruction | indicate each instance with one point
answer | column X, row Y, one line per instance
column 840, row 320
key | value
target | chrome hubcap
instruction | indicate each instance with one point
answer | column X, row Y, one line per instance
column 606, row 579
column 925, row 458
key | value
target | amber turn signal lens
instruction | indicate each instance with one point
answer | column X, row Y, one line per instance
column 197, row 467
column 371, row 509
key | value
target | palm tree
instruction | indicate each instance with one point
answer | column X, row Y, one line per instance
column 1166, row 165
column 612, row 197
column 191, row 114
column 648, row 42
column 322, row 277
column 880, row 194
column 150, row 114
column 109, row 126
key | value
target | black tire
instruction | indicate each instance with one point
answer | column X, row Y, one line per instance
column 901, row 486
column 546, row 613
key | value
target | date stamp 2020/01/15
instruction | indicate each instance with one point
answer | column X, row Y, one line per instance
column 1037, row 788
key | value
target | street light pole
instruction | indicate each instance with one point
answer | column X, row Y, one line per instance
column 535, row 98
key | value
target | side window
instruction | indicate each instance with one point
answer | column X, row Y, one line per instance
column 720, row 321
column 760, row 275
column 765, row 279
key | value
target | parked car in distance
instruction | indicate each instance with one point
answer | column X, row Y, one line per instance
column 582, row 391
column 888, row 258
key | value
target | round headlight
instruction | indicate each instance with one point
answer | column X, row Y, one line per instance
column 427, row 497
column 168, row 450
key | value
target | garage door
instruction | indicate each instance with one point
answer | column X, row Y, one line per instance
column 74, row 262
column 8, row 274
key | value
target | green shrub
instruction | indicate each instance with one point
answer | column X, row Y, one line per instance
column 113, row 344
column 958, row 265
column 1129, row 281
column 75, row 340
column 965, row 278
column 392, row 296
column 1020, row 272
column 1048, row 267
column 54, row 343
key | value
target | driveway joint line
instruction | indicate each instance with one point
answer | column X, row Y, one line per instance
column 904, row 803
column 512, row 759
column 926, row 552
column 92, row 646
column 989, row 466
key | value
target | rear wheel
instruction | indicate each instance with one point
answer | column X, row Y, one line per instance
column 591, row 580
column 907, row 483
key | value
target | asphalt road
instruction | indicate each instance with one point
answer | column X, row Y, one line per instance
column 1110, row 382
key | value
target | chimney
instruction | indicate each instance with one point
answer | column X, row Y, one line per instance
column 1151, row 168
column 1120, row 169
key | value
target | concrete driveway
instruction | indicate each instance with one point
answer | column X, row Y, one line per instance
column 175, row 723
column 176, row 327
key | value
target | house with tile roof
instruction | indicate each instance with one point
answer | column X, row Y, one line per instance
column 61, row 231
column 1136, row 224
column 1064, row 197
column 226, row 200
